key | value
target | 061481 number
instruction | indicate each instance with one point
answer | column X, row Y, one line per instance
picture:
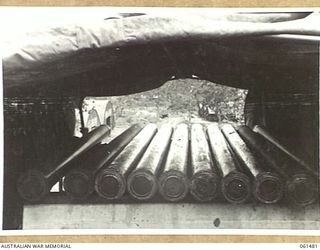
column 308, row 245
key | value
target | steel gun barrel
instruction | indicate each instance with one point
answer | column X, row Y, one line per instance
column 301, row 187
column 205, row 181
column 110, row 182
column 34, row 185
column 79, row 182
column 173, row 181
column 142, row 183
column 235, row 185
column 263, row 132
column 267, row 184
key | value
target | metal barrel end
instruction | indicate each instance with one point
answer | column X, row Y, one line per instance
column 110, row 184
column 173, row 185
column 302, row 190
column 32, row 185
column 236, row 187
column 142, row 185
column 78, row 184
column 268, row 188
column 204, row 186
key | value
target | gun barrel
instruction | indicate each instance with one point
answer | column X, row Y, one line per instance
column 110, row 182
column 205, row 181
column 142, row 182
column 302, row 190
column 173, row 182
column 33, row 185
column 300, row 187
column 235, row 185
column 79, row 182
column 267, row 185
column 263, row 132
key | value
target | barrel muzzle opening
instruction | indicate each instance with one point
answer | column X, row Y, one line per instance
column 110, row 185
column 236, row 188
column 302, row 190
column 205, row 186
column 142, row 185
column 78, row 184
column 268, row 188
column 173, row 186
column 32, row 185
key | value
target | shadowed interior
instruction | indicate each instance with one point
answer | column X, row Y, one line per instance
column 173, row 186
column 204, row 186
column 32, row 186
column 303, row 192
column 141, row 185
column 77, row 184
column 236, row 188
column 269, row 190
column 110, row 186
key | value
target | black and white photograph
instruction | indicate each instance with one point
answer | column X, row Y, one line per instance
column 160, row 118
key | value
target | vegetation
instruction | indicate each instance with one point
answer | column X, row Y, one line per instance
column 181, row 98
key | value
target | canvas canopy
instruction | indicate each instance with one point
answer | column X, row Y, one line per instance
column 130, row 53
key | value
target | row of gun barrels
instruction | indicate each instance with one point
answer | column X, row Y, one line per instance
column 206, row 161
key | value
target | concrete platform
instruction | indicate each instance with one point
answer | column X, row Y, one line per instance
column 169, row 216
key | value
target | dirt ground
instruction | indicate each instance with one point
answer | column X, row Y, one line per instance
column 173, row 103
column 144, row 115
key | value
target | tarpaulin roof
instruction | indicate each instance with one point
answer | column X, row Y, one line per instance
column 130, row 53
